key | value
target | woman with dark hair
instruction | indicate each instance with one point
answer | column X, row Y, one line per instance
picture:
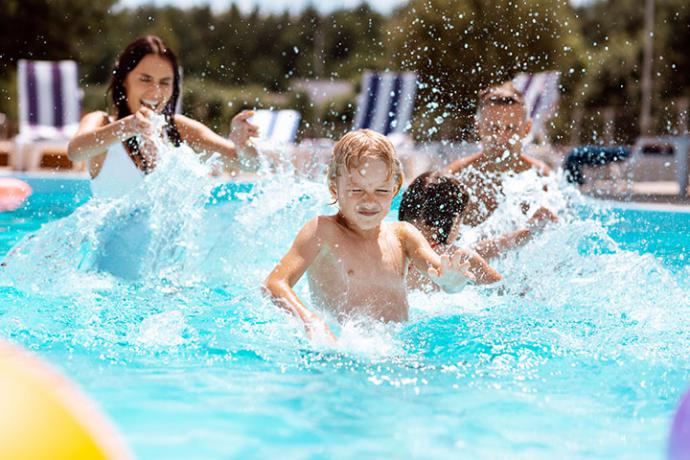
column 120, row 147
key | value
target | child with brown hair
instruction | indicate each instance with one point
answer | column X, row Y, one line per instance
column 355, row 262
column 436, row 203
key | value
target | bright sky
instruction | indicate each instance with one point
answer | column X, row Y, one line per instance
column 384, row 6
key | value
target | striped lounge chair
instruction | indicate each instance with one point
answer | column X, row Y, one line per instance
column 386, row 102
column 541, row 95
column 49, row 110
column 277, row 127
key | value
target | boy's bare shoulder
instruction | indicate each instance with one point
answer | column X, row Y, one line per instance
column 463, row 163
column 321, row 228
column 314, row 235
column 401, row 227
column 541, row 167
column 405, row 231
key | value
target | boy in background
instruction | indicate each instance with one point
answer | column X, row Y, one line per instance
column 502, row 122
column 436, row 203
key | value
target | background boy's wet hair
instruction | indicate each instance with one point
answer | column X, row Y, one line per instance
column 357, row 146
column 504, row 94
column 434, row 200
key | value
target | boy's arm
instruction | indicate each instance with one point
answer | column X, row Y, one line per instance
column 458, row 165
column 450, row 275
column 289, row 270
column 542, row 168
column 489, row 248
column 479, row 268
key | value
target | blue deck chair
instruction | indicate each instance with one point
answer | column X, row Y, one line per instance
column 386, row 101
column 591, row 155
column 49, row 109
column 541, row 96
column 277, row 126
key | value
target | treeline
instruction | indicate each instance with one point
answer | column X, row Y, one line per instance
column 234, row 59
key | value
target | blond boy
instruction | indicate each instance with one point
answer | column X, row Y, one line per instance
column 356, row 264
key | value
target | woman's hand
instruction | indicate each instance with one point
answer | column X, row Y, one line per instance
column 241, row 130
column 139, row 124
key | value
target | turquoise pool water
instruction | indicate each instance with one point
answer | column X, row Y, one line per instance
column 583, row 353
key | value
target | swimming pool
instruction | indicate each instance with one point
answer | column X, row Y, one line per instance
column 583, row 354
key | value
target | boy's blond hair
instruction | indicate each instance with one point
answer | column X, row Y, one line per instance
column 356, row 146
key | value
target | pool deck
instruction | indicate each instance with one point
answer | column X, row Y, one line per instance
column 649, row 195
column 642, row 195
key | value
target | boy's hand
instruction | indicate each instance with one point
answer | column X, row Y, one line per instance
column 454, row 273
column 540, row 218
column 319, row 332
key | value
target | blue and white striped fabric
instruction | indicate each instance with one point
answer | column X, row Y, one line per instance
column 49, row 100
column 541, row 96
column 386, row 101
column 277, row 126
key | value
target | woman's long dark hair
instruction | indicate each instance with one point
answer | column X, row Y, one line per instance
column 128, row 60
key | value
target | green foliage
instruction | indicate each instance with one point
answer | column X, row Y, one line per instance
column 614, row 33
column 234, row 59
column 458, row 47
column 47, row 29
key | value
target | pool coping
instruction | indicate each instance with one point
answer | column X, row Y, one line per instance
column 634, row 202
column 648, row 206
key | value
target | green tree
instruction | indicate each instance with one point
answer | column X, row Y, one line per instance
column 47, row 29
column 460, row 46
column 614, row 33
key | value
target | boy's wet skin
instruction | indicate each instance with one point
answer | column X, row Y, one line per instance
column 361, row 264
column 355, row 263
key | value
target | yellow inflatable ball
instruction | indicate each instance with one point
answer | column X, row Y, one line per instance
column 44, row 416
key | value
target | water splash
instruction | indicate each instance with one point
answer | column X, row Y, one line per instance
column 578, row 315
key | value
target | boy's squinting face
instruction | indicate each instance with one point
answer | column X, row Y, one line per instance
column 365, row 194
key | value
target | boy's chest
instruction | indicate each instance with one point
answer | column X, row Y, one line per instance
column 369, row 261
